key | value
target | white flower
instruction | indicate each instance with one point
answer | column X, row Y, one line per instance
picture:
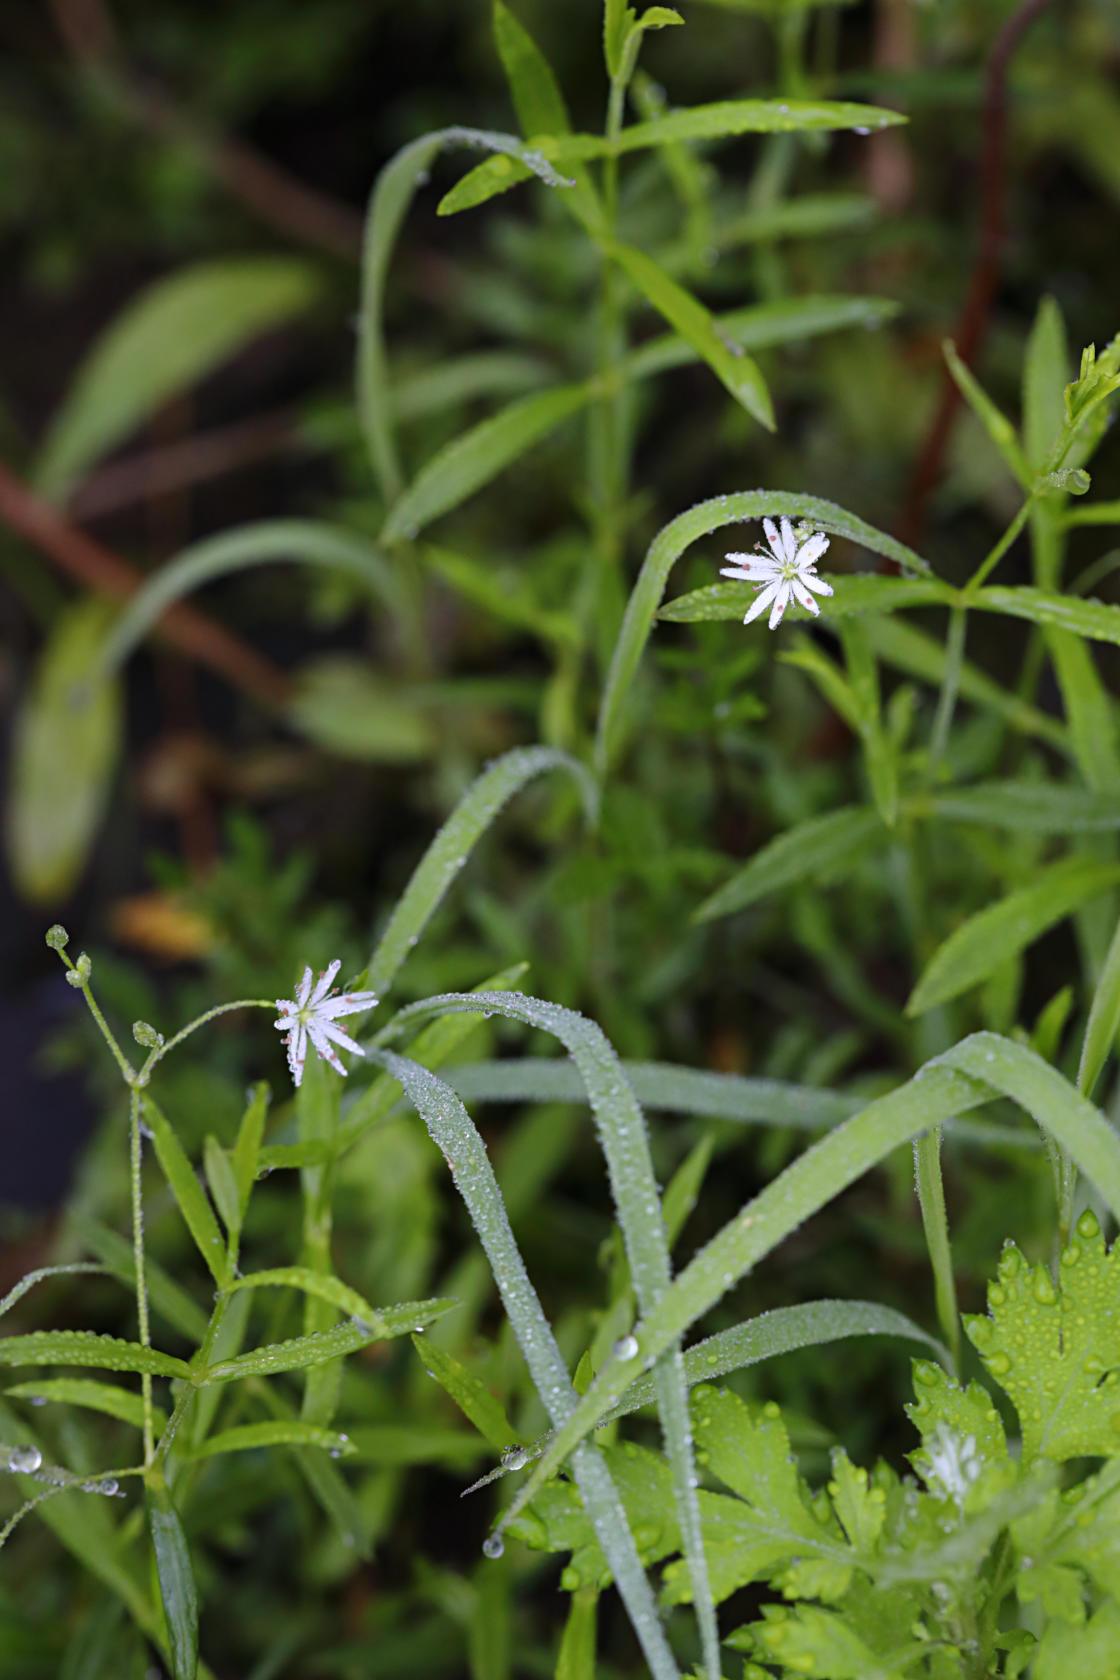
column 312, row 1014
column 789, row 569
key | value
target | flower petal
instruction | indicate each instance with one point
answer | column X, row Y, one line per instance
column 773, row 537
column 781, row 602
column 350, row 1003
column 737, row 572
column 818, row 585
column 297, row 1052
column 762, row 600
column 325, row 982
column 812, row 549
column 324, row 1046
column 789, row 541
column 802, row 595
column 337, row 1036
column 303, row 990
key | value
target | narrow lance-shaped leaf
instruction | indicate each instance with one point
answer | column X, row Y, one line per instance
column 176, row 1583
column 190, row 1197
column 64, row 752
column 392, row 194
column 621, row 1129
column 471, row 1395
column 85, row 1347
column 1096, row 620
column 822, row 846
column 679, row 535
column 783, row 321
column 536, row 93
column 727, row 360
column 301, row 1353
column 164, row 341
column 994, row 935
column 852, row 597
column 1088, row 708
column 996, row 424
column 478, row 455
column 109, row 1398
column 451, row 847
column 723, row 120
column 283, row 1432
column 454, row 1133
column 1104, row 1021
column 325, row 1287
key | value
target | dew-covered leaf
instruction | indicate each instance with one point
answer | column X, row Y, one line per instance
column 109, row 1398
column 1055, row 1348
column 469, row 1393
column 190, row 1197
column 280, row 1432
column 86, row 1347
column 176, row 1583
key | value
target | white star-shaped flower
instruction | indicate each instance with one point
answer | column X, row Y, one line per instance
column 790, row 569
column 312, row 1014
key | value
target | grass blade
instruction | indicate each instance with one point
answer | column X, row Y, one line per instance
column 451, row 847
column 453, row 1131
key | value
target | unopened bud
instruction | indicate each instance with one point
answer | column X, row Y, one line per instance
column 146, row 1035
column 80, row 972
column 57, row 937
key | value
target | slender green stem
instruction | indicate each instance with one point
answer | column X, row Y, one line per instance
column 993, row 558
column 931, row 1199
column 189, row 1392
column 162, row 1050
column 122, row 1061
column 135, row 1157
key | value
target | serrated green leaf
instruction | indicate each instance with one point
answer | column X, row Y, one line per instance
column 1088, row 1652
column 1055, row 1349
column 942, row 1407
column 64, row 751
column 176, row 1583
column 469, row 1393
column 731, row 364
column 988, row 939
column 477, row 456
column 860, row 1507
column 300, row 1353
column 108, row 1398
column 190, row 1197
column 821, row 847
column 283, row 1432
column 85, row 1347
column 163, row 342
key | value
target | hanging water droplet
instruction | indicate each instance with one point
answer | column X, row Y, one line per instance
column 626, row 1348
column 861, row 131
column 515, row 1458
column 24, row 1460
column 108, row 1486
column 493, row 1546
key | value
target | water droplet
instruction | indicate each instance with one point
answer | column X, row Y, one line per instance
column 868, row 131
column 626, row 1348
column 515, row 1458
column 24, row 1459
column 108, row 1486
column 493, row 1546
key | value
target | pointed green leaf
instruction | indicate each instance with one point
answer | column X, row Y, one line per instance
column 176, row 1583
column 536, row 93
column 84, row 1347
column 988, row 939
column 389, row 1321
column 479, row 455
column 820, row 848
column 1045, row 373
column 223, row 1184
column 576, row 1657
column 469, row 1393
column 300, row 1353
column 64, row 752
column 190, row 1197
column 283, row 1432
column 1089, row 710
column 784, row 321
column 109, row 1398
column 163, row 342
column 346, row 708
column 1104, row 1021
column 1038, row 807
column 1096, row 620
column 246, row 1151
column 452, row 846
column 723, row 120
column 997, row 425
column 487, row 180
column 727, row 360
